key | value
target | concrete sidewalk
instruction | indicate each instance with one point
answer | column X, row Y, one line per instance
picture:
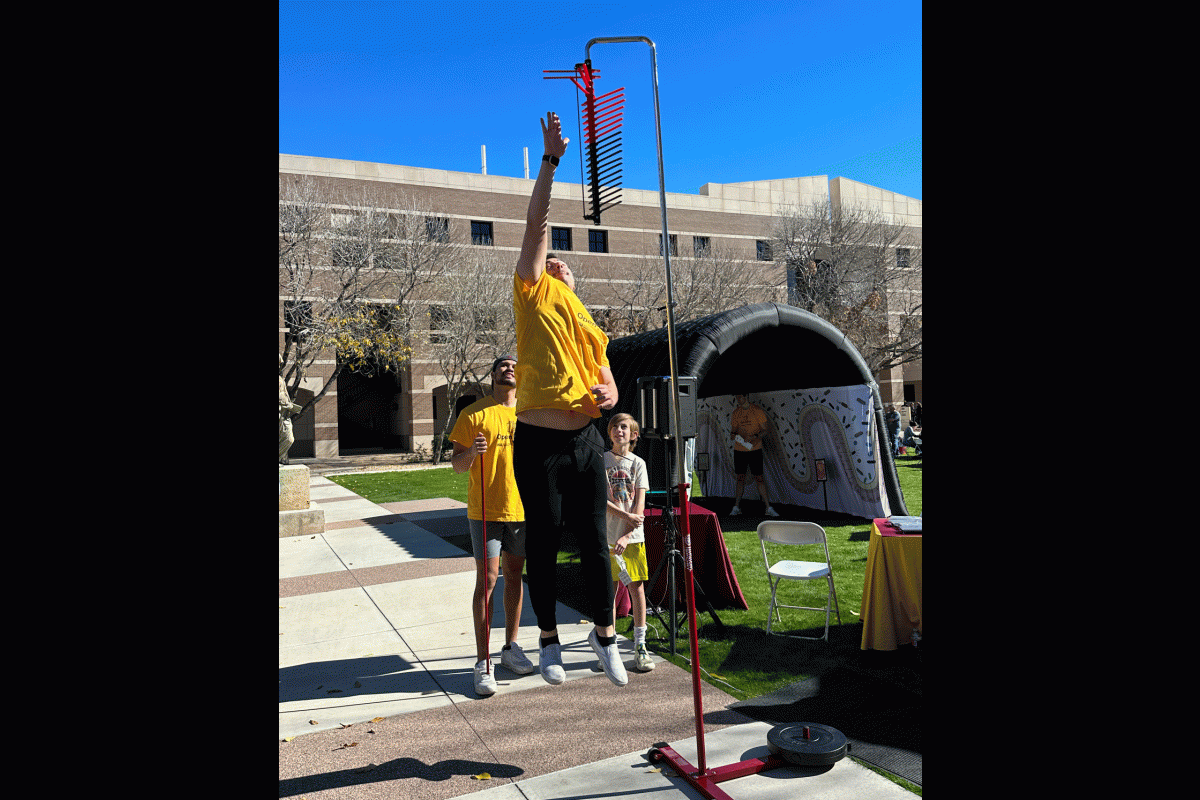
column 376, row 696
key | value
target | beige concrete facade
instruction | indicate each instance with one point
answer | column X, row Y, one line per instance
column 736, row 215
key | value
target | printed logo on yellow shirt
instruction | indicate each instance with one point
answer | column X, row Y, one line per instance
column 586, row 319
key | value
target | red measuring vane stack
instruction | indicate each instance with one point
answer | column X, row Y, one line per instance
column 601, row 117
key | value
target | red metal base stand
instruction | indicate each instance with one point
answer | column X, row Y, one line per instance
column 703, row 779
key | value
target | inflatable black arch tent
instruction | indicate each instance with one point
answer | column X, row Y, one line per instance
column 765, row 347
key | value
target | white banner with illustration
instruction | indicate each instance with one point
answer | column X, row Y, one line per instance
column 820, row 450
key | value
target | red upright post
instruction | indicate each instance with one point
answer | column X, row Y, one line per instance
column 697, row 699
column 487, row 590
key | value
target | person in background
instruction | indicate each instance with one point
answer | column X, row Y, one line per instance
column 912, row 437
column 892, row 420
column 749, row 423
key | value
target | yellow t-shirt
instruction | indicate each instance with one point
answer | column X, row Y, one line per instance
column 560, row 348
column 747, row 422
column 498, row 423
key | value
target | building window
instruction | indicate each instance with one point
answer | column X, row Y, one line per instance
column 902, row 257
column 487, row 327
column 674, row 244
column 481, row 232
column 437, row 229
column 700, row 246
column 764, row 250
column 439, row 319
column 347, row 252
column 560, row 239
column 298, row 317
column 597, row 241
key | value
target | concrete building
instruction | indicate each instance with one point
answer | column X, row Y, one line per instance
column 401, row 412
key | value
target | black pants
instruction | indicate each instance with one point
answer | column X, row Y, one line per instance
column 561, row 477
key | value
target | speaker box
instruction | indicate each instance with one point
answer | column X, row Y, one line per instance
column 656, row 406
column 659, row 455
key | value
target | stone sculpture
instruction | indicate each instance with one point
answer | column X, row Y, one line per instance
column 287, row 409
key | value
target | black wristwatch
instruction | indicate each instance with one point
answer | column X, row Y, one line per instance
column 552, row 159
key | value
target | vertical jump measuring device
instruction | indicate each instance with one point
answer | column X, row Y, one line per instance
column 601, row 139
column 804, row 743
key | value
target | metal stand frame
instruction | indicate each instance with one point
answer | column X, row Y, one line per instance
column 703, row 779
column 670, row 561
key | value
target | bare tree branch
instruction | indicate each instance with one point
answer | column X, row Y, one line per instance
column 474, row 326
column 354, row 270
column 707, row 284
column 853, row 267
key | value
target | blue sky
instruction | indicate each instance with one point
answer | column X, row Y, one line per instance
column 747, row 90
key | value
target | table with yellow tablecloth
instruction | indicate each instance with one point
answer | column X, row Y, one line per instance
column 891, row 605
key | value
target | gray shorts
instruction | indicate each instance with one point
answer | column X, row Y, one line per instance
column 506, row 536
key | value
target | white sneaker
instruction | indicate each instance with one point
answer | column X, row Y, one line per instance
column 485, row 682
column 610, row 660
column 772, row 512
column 514, row 659
column 550, row 664
column 643, row 661
column 733, row 512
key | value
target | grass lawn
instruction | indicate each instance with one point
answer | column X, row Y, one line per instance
column 739, row 657
column 742, row 659
column 415, row 484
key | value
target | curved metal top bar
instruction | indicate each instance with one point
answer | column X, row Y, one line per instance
column 611, row 39
column 672, row 352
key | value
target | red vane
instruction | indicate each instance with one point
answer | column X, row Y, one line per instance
column 605, row 96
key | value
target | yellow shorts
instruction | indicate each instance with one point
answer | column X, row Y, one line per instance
column 635, row 562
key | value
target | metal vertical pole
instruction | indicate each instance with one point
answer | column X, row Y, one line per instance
column 681, row 465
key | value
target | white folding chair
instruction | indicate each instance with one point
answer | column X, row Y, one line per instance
column 800, row 534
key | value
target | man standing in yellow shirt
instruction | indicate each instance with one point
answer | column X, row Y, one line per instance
column 749, row 423
column 484, row 430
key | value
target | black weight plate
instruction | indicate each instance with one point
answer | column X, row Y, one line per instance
column 824, row 745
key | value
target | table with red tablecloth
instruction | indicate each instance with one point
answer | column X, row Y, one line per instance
column 891, row 603
column 711, row 568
